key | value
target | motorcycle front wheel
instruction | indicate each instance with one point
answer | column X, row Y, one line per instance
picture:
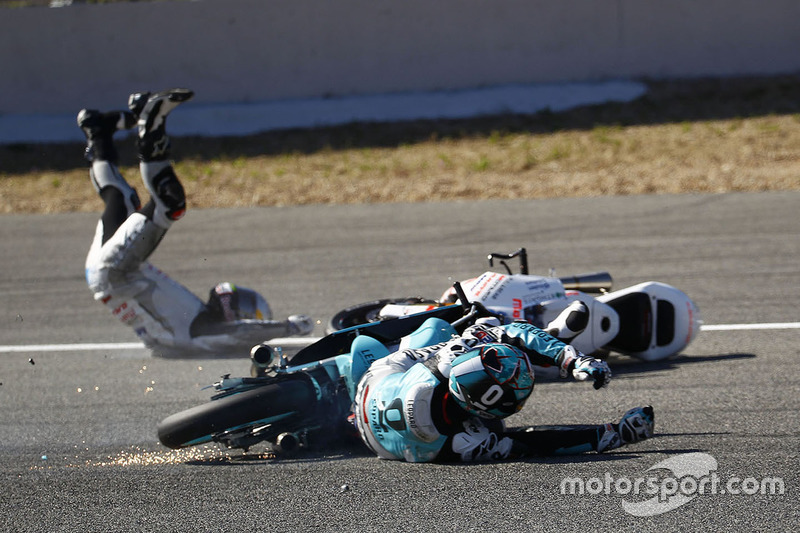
column 369, row 312
column 264, row 405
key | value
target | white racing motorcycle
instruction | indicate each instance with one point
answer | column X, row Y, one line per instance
column 649, row 321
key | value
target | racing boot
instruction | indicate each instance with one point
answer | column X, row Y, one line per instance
column 99, row 129
column 154, row 149
column 570, row 322
column 152, row 111
column 136, row 102
column 637, row 424
column 634, row 426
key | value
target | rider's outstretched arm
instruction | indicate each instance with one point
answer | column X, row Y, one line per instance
column 543, row 349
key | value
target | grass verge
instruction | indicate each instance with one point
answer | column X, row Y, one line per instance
column 714, row 135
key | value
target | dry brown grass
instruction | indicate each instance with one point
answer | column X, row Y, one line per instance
column 701, row 136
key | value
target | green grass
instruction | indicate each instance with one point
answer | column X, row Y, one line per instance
column 698, row 136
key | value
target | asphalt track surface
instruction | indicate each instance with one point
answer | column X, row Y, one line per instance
column 78, row 449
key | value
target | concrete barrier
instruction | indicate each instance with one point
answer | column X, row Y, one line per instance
column 55, row 61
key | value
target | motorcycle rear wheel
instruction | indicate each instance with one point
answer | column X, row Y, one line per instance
column 367, row 312
column 274, row 401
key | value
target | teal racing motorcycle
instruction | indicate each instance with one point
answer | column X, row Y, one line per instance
column 292, row 403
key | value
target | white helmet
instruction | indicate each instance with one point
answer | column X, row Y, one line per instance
column 238, row 303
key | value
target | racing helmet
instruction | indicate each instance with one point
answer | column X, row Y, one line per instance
column 491, row 381
column 233, row 303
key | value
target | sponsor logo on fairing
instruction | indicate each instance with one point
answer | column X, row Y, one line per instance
column 537, row 285
column 517, row 306
column 499, row 288
column 486, row 283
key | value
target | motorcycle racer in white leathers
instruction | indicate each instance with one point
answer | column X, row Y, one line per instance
column 447, row 402
column 169, row 318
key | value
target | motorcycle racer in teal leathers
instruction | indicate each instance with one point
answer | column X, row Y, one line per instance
column 447, row 402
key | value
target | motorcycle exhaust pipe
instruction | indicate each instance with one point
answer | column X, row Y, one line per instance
column 593, row 282
column 287, row 443
column 261, row 358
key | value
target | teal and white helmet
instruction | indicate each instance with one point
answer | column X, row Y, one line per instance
column 491, row 381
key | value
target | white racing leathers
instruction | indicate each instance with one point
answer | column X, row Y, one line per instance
column 159, row 309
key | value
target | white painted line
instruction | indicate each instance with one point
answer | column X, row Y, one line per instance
column 731, row 327
column 72, row 347
column 297, row 342
column 300, row 342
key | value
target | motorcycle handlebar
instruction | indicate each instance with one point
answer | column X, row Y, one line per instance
column 522, row 254
column 594, row 282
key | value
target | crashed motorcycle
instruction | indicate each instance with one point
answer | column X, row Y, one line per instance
column 298, row 402
column 649, row 321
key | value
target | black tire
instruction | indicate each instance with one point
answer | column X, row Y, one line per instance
column 368, row 312
column 199, row 424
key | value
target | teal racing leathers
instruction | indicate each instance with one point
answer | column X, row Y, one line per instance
column 404, row 410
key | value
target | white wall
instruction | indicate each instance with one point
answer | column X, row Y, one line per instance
column 245, row 51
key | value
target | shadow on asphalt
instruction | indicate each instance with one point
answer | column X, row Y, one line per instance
column 629, row 367
column 354, row 450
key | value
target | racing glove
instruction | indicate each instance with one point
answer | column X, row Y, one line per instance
column 584, row 367
column 478, row 443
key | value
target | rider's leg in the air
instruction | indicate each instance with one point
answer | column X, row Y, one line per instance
column 167, row 199
column 143, row 231
column 141, row 296
column 129, row 234
column 119, row 197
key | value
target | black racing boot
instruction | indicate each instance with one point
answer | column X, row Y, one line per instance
column 634, row 426
column 152, row 111
column 99, row 129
